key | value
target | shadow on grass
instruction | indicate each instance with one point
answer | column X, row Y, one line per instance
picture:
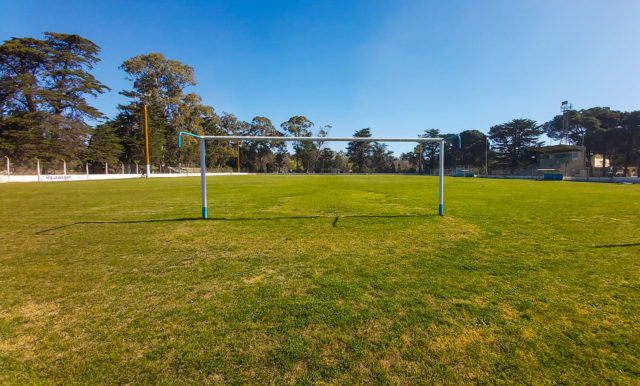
column 616, row 245
column 184, row 219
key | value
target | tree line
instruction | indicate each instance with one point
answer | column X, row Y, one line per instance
column 45, row 114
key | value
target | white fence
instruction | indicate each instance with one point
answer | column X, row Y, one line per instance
column 93, row 177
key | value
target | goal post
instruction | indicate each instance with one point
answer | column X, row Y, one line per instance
column 203, row 161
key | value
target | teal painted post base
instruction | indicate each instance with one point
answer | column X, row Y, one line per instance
column 440, row 209
column 204, row 212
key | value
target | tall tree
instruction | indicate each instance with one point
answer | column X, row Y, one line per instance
column 318, row 147
column 473, row 151
column 262, row 126
column 382, row 158
column 600, row 137
column 157, row 80
column 129, row 124
column 430, row 151
column 43, row 108
column 219, row 153
column 297, row 126
column 359, row 153
column 160, row 83
column 627, row 140
column 104, row 146
column 413, row 158
column 514, row 138
column 566, row 128
column 233, row 126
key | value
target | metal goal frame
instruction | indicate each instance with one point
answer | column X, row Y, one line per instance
column 203, row 162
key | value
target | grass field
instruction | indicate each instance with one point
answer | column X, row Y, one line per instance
column 339, row 279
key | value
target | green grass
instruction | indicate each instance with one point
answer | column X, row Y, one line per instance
column 339, row 279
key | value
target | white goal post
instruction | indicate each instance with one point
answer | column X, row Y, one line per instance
column 203, row 166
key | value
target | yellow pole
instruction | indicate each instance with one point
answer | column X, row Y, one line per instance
column 146, row 140
column 238, row 149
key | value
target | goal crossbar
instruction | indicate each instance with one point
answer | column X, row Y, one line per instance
column 203, row 167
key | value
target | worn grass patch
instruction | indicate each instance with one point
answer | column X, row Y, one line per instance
column 337, row 279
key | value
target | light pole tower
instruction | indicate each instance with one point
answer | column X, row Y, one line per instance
column 565, row 108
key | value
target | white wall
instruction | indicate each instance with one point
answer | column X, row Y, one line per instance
column 91, row 177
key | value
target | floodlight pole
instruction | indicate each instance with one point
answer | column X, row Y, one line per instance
column 203, row 177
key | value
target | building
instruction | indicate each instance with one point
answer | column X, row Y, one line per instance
column 572, row 161
column 566, row 159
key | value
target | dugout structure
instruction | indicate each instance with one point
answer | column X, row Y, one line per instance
column 203, row 165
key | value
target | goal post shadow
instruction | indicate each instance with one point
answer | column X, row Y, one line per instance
column 203, row 154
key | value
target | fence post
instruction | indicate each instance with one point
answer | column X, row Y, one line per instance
column 8, row 168
column 86, row 168
column 64, row 167
column 106, row 168
column 38, row 168
column 122, row 163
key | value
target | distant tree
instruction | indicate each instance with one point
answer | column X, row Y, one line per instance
column 298, row 126
column 104, row 146
column 413, row 158
column 318, row 146
column 627, row 140
column 281, row 157
column 190, row 117
column 566, row 128
column 473, row 149
column 430, row 151
column 129, row 127
column 513, row 139
column 231, row 125
column 262, row 126
column 219, row 153
column 600, row 136
column 325, row 159
column 359, row 153
column 382, row 159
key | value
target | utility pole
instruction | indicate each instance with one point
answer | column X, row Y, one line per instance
column 238, row 150
column 486, row 157
column 146, row 140
column 565, row 108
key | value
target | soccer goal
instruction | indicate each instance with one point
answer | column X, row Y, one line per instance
column 203, row 166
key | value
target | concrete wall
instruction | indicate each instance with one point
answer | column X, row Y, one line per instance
column 617, row 180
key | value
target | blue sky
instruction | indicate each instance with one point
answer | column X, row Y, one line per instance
column 398, row 67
